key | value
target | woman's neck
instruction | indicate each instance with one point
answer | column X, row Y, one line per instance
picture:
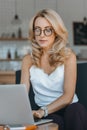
column 46, row 49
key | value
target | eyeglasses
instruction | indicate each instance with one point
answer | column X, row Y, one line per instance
column 48, row 31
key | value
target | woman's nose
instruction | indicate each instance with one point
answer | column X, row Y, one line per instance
column 42, row 33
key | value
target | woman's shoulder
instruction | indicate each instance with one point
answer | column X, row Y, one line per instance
column 27, row 60
column 72, row 54
column 71, row 58
column 27, row 56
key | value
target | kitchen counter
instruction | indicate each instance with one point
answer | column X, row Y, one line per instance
column 7, row 77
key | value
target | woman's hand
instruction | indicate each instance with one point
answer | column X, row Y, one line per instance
column 38, row 113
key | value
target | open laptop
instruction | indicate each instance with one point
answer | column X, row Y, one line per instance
column 15, row 108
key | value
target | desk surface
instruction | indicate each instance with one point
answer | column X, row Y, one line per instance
column 48, row 126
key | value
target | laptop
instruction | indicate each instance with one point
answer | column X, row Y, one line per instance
column 15, row 108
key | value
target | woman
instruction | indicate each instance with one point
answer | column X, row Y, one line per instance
column 52, row 71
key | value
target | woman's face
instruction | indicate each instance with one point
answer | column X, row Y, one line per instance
column 44, row 33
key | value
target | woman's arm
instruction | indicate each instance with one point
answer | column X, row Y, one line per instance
column 25, row 76
column 69, row 88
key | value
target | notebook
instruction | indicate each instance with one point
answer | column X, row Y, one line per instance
column 15, row 108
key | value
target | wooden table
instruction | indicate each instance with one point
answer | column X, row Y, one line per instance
column 48, row 126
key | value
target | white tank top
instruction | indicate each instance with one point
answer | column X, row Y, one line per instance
column 47, row 88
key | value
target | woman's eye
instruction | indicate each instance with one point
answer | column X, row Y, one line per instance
column 37, row 29
column 48, row 29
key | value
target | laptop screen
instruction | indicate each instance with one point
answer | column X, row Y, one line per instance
column 15, row 107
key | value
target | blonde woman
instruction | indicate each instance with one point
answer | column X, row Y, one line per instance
column 51, row 69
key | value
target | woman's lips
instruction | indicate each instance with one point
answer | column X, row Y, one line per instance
column 42, row 41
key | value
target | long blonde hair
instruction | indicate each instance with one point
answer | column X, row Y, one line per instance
column 59, row 51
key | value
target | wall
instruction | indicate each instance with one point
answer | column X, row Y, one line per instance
column 69, row 10
column 25, row 10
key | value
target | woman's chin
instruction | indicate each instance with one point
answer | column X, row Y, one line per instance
column 43, row 45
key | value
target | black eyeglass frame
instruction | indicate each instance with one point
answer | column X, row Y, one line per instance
column 44, row 31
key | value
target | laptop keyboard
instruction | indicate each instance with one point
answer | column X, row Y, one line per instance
column 37, row 119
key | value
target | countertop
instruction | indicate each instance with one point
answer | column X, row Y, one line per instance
column 3, row 72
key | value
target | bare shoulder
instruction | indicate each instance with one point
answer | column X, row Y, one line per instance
column 71, row 59
column 27, row 57
column 27, row 60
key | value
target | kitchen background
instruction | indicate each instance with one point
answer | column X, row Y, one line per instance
column 13, row 35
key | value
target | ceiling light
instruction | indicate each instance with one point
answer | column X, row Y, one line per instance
column 16, row 19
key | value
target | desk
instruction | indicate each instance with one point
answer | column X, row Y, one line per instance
column 48, row 126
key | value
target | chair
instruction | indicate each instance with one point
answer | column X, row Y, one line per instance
column 81, row 85
column 30, row 94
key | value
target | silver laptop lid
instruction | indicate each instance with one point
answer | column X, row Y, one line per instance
column 15, row 107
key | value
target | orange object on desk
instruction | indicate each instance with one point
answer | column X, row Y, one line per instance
column 31, row 127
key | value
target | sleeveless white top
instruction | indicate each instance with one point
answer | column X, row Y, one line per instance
column 47, row 88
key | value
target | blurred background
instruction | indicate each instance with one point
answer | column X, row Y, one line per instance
column 14, row 22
